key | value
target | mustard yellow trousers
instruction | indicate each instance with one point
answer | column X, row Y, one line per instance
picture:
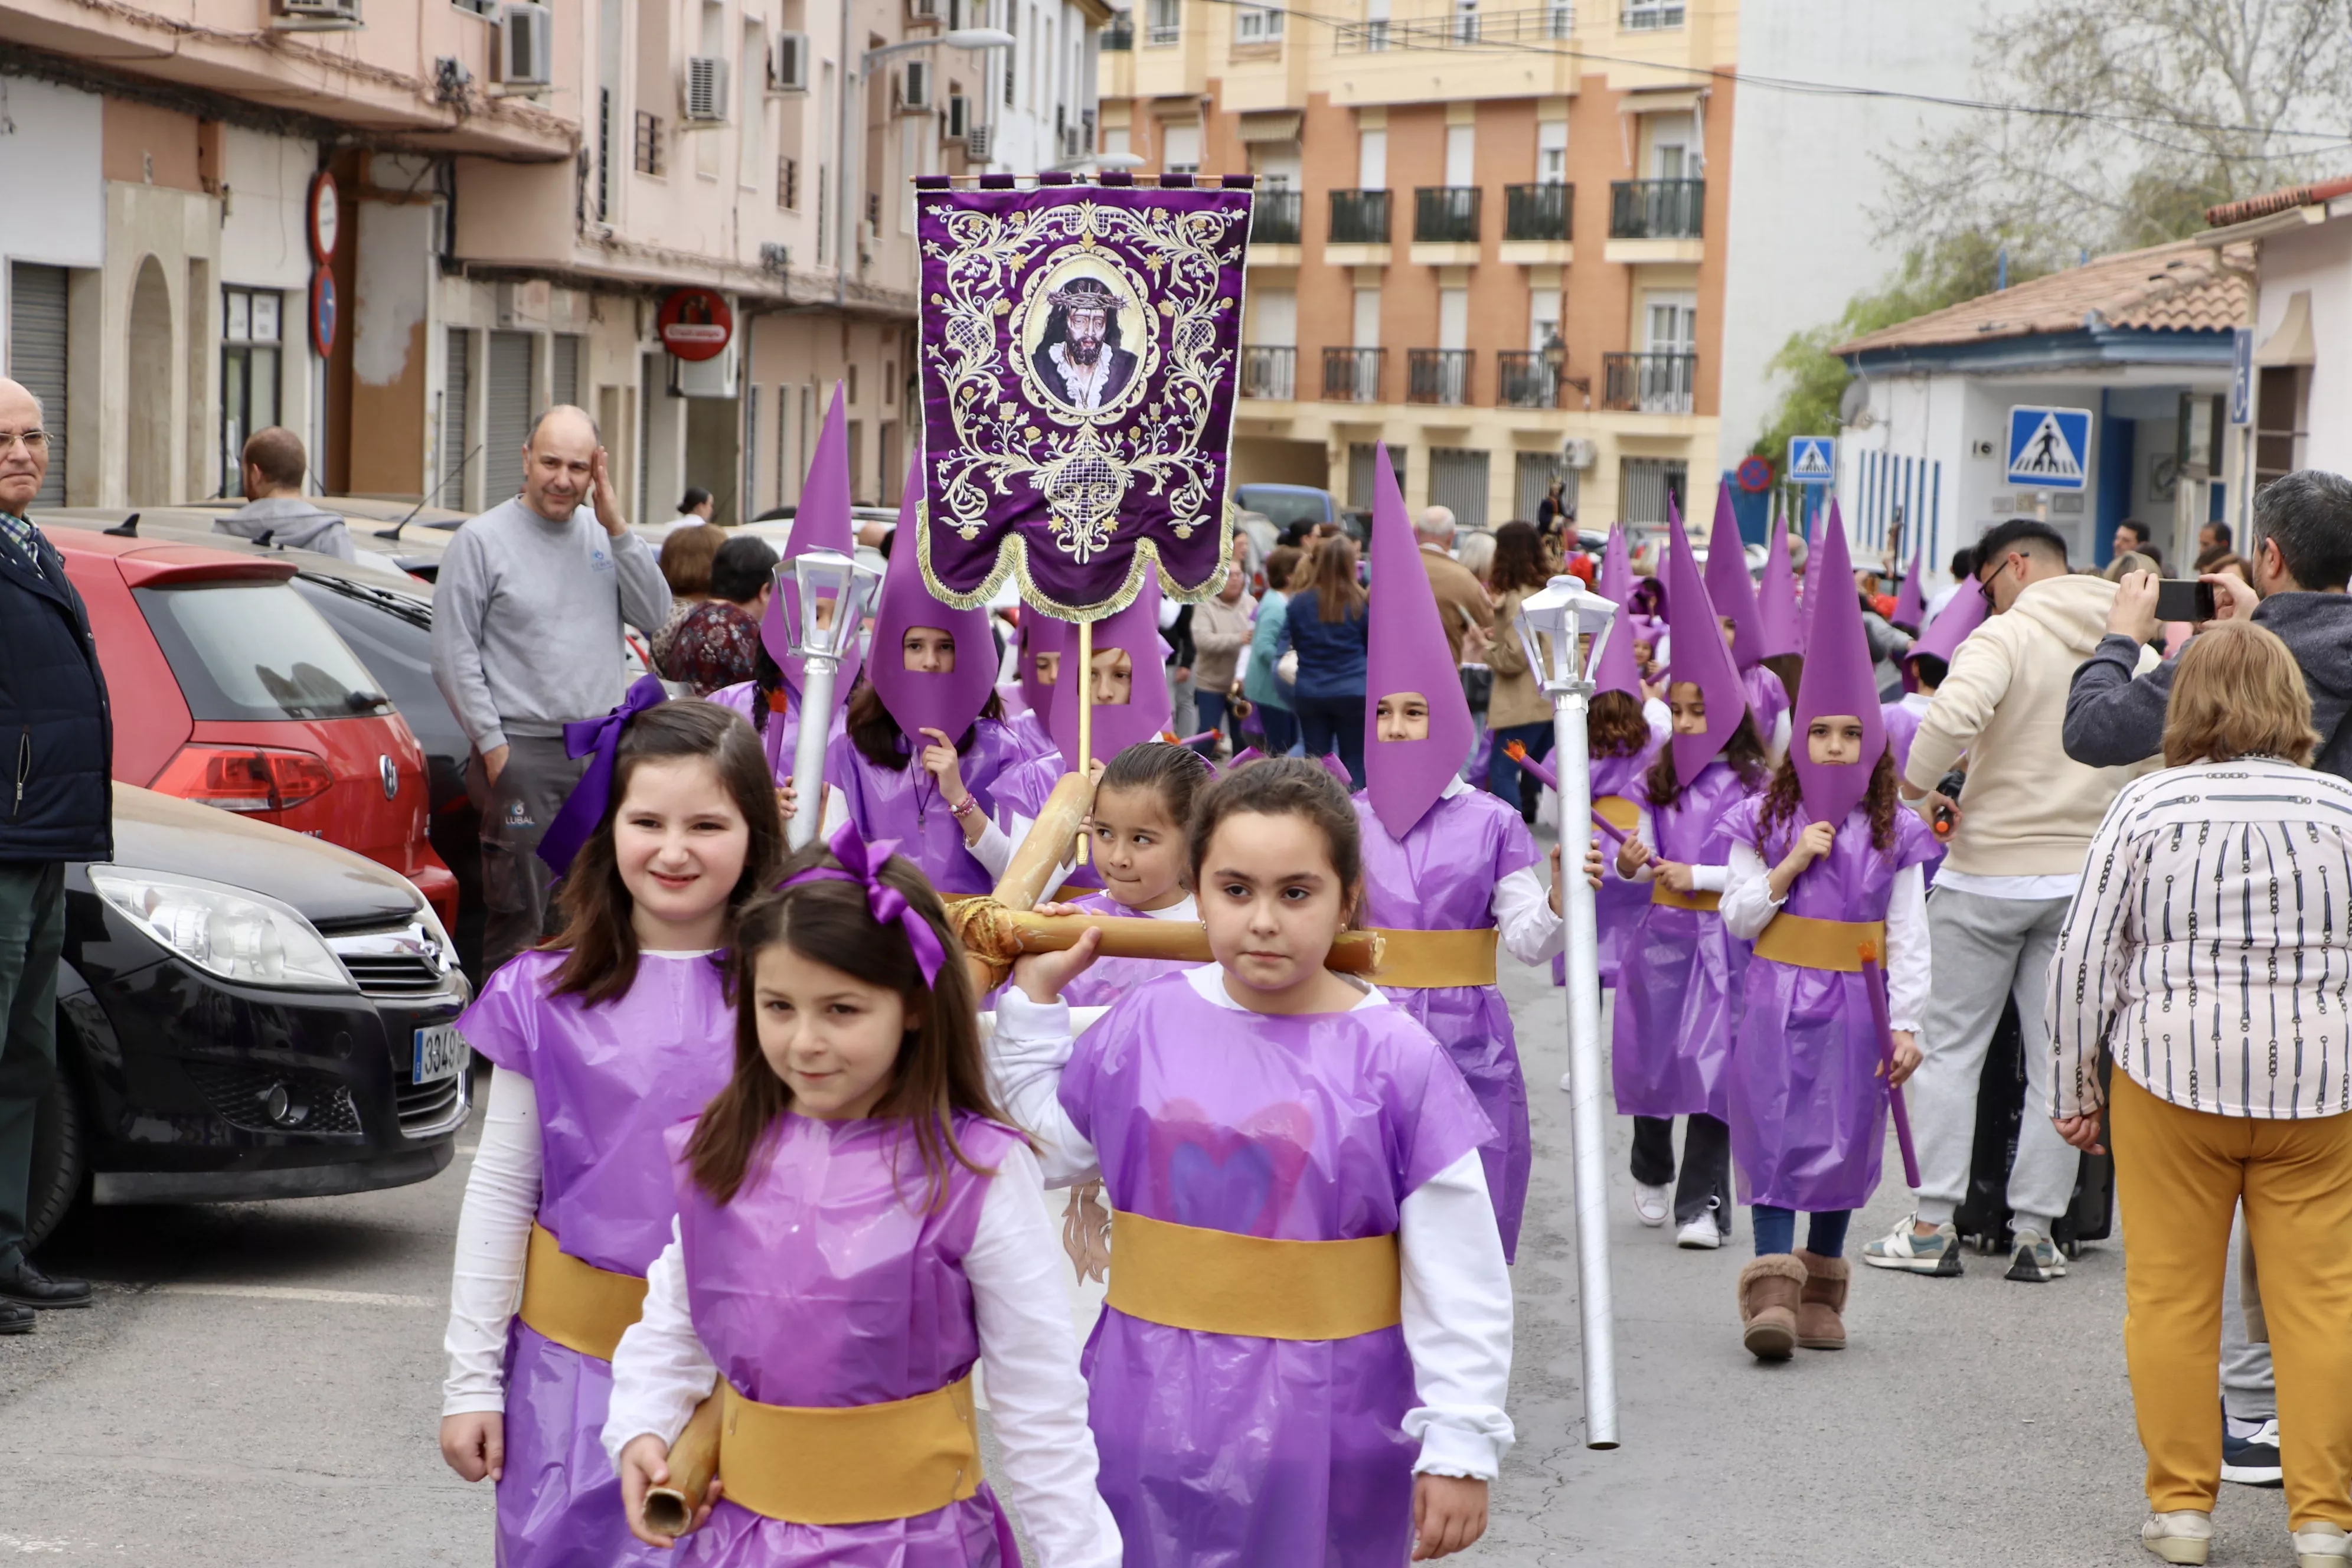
column 2179, row 1176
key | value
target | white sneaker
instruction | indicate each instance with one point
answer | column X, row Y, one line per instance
column 1653, row 1204
column 1700, row 1233
column 2322, row 1545
column 2185, row 1536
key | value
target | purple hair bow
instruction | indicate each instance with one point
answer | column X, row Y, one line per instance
column 862, row 863
column 598, row 740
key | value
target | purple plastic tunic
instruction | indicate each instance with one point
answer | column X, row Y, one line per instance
column 1767, row 698
column 1678, row 981
column 609, row 1081
column 783, row 732
column 1108, row 978
column 1618, row 906
column 1219, row 1451
column 1808, row 1113
column 823, row 1284
column 905, row 804
column 1443, row 877
column 1901, row 725
column 1021, row 789
column 1030, row 733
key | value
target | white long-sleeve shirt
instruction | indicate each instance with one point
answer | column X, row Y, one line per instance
column 1521, row 905
column 1457, row 1306
column 1748, row 906
column 1036, row 1397
column 1704, row 878
column 493, row 1243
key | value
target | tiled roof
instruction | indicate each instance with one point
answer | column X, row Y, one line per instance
column 2280, row 201
column 2180, row 286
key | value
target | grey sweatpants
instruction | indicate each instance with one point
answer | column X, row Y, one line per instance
column 2248, row 1392
column 1984, row 951
column 516, row 812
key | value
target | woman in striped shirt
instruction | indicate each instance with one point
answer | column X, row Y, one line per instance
column 2209, row 950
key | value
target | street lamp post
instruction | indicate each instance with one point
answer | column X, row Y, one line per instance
column 834, row 590
column 1553, row 625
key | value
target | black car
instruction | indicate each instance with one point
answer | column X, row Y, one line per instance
column 245, row 1013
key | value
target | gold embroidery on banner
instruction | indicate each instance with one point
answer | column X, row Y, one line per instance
column 1163, row 283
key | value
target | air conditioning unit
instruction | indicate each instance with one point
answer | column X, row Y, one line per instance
column 979, row 141
column 314, row 16
column 958, row 116
column 774, row 257
column 915, row 95
column 525, row 44
column 705, row 88
column 788, row 63
column 1578, row 453
column 714, row 377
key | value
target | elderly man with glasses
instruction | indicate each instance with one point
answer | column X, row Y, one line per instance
column 59, row 754
column 2002, row 896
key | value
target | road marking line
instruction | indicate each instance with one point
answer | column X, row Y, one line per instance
column 297, row 1294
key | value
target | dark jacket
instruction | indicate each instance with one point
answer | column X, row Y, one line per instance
column 1330, row 653
column 57, row 738
column 2113, row 720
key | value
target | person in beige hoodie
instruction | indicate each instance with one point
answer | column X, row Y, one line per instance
column 2000, row 898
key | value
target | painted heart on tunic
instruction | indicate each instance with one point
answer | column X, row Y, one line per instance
column 1226, row 1178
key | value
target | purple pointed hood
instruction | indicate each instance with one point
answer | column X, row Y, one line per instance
column 821, row 522
column 1910, row 605
column 1406, row 651
column 1618, row 671
column 1839, row 680
column 948, row 702
column 1776, row 598
column 1728, row 585
column 1962, row 614
column 1135, row 629
column 1700, row 655
column 1040, row 633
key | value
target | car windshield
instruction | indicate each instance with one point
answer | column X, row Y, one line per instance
column 1283, row 508
column 246, row 650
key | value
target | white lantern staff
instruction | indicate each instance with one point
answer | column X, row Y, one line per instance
column 1553, row 627
column 835, row 592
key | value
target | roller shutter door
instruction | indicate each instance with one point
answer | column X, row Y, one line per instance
column 1458, row 478
column 37, row 358
column 506, row 421
column 458, row 380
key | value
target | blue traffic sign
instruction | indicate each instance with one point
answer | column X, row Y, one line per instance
column 2050, row 449
column 1812, row 459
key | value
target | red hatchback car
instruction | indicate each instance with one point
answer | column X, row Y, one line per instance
column 228, row 688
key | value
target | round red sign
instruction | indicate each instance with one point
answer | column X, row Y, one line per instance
column 694, row 323
column 1755, row 474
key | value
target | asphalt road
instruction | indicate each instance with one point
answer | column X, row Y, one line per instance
column 258, row 1385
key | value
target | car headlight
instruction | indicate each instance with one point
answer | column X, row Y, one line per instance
column 237, row 935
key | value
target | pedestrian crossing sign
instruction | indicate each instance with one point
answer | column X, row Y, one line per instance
column 2048, row 449
column 1812, row 459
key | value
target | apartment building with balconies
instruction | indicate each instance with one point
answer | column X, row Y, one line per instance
column 1486, row 234
column 519, row 188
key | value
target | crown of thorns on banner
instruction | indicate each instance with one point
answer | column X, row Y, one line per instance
column 1085, row 294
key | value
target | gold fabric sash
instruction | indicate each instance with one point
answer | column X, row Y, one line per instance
column 578, row 1305
column 1662, row 894
column 855, row 1465
column 1420, row 960
column 1214, row 1282
column 1809, row 944
column 1618, row 812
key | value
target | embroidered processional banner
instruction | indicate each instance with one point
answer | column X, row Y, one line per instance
column 1080, row 349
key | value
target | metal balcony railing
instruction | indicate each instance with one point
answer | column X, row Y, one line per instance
column 1529, row 378
column 1269, row 372
column 1470, row 30
column 1352, row 376
column 1360, row 218
column 1438, row 375
column 1445, row 215
column 1649, row 15
column 1537, row 212
column 1120, row 36
column 1656, row 209
column 1274, row 216
column 1649, row 383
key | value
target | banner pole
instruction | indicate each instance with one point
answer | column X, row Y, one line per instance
column 1085, row 676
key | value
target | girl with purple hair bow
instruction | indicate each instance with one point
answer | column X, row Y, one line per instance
column 857, row 1225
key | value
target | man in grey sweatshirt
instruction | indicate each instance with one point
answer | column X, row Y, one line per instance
column 527, row 637
column 2304, row 559
column 275, row 513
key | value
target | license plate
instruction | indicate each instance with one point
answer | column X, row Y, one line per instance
column 441, row 1052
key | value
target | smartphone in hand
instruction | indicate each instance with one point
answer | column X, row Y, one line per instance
column 2184, row 599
